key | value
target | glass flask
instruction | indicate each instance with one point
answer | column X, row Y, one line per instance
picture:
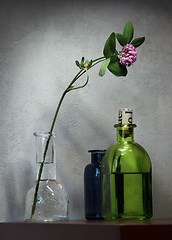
column 92, row 186
column 52, row 200
column 126, row 175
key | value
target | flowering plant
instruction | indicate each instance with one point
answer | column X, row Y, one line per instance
column 116, row 62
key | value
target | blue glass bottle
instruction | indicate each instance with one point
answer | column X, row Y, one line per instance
column 92, row 186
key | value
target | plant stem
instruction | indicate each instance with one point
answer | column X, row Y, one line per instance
column 69, row 88
column 97, row 59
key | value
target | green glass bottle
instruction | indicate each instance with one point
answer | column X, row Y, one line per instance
column 126, row 175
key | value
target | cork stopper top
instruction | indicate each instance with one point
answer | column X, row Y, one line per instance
column 125, row 116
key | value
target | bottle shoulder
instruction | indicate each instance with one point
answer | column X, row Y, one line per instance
column 93, row 165
column 92, row 168
column 122, row 147
column 126, row 157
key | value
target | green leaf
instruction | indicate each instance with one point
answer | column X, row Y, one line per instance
column 82, row 61
column 116, row 68
column 114, row 58
column 121, row 39
column 77, row 64
column 90, row 63
column 138, row 41
column 110, row 46
column 104, row 67
column 116, row 52
column 128, row 31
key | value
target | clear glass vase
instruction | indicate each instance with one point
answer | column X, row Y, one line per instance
column 51, row 200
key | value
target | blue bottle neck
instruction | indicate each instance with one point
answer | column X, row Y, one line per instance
column 97, row 155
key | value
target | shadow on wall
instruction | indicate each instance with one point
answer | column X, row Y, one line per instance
column 17, row 182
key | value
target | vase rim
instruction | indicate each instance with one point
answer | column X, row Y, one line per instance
column 44, row 134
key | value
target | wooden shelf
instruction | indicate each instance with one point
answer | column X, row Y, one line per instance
column 155, row 229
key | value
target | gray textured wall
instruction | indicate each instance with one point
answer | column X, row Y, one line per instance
column 39, row 43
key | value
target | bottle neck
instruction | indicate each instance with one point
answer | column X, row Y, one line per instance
column 97, row 155
column 125, row 133
column 49, row 165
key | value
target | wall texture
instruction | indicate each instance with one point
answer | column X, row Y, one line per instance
column 39, row 43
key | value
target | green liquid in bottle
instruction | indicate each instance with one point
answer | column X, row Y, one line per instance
column 130, row 196
column 126, row 178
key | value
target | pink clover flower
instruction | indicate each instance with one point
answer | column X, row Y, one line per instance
column 128, row 55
